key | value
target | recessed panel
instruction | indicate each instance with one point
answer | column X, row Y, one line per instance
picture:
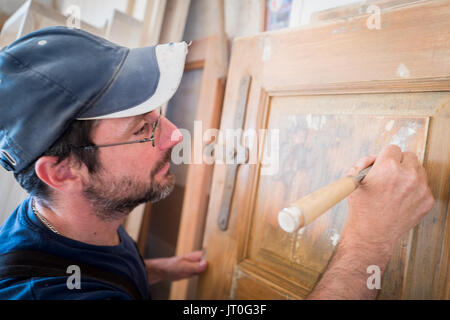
column 316, row 149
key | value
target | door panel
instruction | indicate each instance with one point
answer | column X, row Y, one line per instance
column 316, row 146
column 332, row 97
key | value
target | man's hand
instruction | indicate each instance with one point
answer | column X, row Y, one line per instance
column 392, row 198
column 175, row 268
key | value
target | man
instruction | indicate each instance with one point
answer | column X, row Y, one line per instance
column 83, row 136
column 84, row 176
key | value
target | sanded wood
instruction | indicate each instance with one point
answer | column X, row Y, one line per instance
column 335, row 92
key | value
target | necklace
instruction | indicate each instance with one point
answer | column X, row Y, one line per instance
column 43, row 220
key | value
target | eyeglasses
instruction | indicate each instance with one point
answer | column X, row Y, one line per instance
column 152, row 138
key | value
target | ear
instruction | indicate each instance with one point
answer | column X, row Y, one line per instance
column 60, row 176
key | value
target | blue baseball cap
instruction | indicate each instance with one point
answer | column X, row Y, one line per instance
column 56, row 75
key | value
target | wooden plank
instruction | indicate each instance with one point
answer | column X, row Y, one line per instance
column 261, row 18
column 130, row 7
column 199, row 176
column 174, row 21
column 196, row 56
column 152, row 24
column 142, row 236
column 55, row 5
column 357, row 9
column 223, row 40
column 132, row 223
column 3, row 18
column 124, row 30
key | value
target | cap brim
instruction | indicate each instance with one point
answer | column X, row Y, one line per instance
column 138, row 77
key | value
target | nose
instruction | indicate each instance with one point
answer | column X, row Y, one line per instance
column 169, row 134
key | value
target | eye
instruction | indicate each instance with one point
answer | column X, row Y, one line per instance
column 141, row 130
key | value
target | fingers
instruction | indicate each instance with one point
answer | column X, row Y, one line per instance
column 389, row 153
column 360, row 165
column 422, row 174
column 191, row 268
column 194, row 261
column 196, row 269
column 202, row 266
column 193, row 256
column 410, row 160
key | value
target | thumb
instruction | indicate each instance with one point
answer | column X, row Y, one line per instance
column 202, row 266
column 360, row 165
column 193, row 268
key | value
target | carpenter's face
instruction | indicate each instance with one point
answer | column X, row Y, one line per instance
column 135, row 173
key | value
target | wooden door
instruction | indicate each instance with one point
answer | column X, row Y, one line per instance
column 332, row 93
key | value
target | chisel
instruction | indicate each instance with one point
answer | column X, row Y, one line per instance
column 308, row 208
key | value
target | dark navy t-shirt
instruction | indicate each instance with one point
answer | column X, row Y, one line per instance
column 24, row 231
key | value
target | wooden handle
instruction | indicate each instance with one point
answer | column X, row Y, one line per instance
column 308, row 208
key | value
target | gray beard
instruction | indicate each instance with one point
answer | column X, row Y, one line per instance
column 115, row 199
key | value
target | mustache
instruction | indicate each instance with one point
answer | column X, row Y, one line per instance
column 165, row 159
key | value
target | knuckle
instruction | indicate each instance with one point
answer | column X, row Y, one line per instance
column 367, row 159
column 392, row 165
column 410, row 155
column 393, row 148
column 412, row 176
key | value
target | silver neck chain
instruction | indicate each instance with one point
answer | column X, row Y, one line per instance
column 43, row 220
